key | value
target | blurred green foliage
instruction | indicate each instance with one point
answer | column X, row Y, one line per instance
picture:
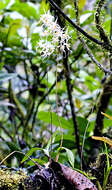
column 28, row 84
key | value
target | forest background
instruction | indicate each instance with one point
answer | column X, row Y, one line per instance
column 52, row 104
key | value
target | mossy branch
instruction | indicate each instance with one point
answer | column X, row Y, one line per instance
column 102, row 33
column 57, row 8
column 89, row 52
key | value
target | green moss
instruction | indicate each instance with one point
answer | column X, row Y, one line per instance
column 11, row 180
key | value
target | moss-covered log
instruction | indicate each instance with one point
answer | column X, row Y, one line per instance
column 11, row 179
column 44, row 179
column 55, row 177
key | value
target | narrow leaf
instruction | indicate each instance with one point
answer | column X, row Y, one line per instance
column 51, row 140
column 104, row 139
column 106, row 115
column 29, row 153
column 69, row 153
column 70, row 156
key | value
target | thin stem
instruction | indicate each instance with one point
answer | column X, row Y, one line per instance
column 61, row 131
column 51, row 127
column 69, row 91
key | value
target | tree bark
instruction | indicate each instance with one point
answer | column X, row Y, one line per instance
column 55, row 177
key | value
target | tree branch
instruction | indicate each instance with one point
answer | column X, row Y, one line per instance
column 102, row 33
column 86, row 46
column 102, row 106
column 75, row 25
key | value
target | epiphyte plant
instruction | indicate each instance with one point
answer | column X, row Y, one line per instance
column 53, row 37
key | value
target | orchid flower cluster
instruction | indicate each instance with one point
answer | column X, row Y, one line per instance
column 51, row 30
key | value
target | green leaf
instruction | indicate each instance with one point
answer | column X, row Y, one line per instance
column 14, row 26
column 25, row 9
column 107, row 123
column 29, row 153
column 39, row 161
column 107, row 25
column 13, row 37
column 3, row 33
column 1, row 65
column 81, row 4
column 13, row 146
column 34, row 39
column 6, row 76
column 84, row 17
column 46, row 117
column 51, row 140
column 44, row 7
column 82, row 122
column 79, row 90
column 10, row 37
column 92, row 83
column 68, row 140
column 70, row 155
column 3, row 3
